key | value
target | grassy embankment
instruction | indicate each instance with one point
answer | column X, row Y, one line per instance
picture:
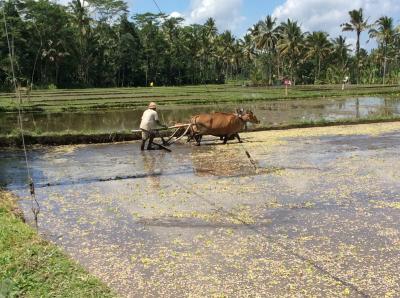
column 117, row 98
column 32, row 267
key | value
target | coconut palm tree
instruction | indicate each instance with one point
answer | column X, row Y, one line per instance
column 225, row 50
column 265, row 35
column 341, row 50
column 171, row 30
column 248, row 48
column 338, row 69
column 318, row 47
column 291, row 44
column 358, row 24
column 210, row 28
column 248, row 52
column 192, row 39
column 384, row 33
column 209, row 35
column 81, row 21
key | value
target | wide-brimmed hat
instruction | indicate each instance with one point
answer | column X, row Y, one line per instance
column 152, row 105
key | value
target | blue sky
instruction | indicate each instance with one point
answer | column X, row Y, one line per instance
column 239, row 15
column 251, row 11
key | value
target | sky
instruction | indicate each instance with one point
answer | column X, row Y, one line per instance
column 239, row 15
column 234, row 15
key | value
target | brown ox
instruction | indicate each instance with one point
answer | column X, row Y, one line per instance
column 223, row 125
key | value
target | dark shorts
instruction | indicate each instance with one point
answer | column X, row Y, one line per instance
column 146, row 134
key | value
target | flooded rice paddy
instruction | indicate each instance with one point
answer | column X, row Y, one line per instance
column 270, row 113
column 319, row 216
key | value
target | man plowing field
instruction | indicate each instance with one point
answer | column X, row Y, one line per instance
column 149, row 125
column 224, row 125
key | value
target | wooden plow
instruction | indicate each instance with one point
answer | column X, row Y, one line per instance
column 175, row 136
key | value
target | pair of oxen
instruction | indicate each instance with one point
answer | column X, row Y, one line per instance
column 226, row 126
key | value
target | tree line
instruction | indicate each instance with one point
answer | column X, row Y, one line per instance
column 95, row 43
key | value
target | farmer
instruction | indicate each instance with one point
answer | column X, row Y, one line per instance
column 345, row 81
column 148, row 126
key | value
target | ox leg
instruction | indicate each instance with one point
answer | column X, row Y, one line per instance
column 198, row 139
column 190, row 137
column 237, row 136
column 226, row 139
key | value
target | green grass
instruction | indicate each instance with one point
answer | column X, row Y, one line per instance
column 32, row 267
column 102, row 98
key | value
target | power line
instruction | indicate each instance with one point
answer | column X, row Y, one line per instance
column 154, row 1
column 34, row 203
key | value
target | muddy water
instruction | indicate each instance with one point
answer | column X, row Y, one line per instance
column 270, row 113
column 318, row 217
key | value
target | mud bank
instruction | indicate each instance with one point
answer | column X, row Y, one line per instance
column 66, row 139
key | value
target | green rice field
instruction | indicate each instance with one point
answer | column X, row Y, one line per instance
column 85, row 99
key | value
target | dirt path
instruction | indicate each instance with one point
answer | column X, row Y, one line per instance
column 320, row 215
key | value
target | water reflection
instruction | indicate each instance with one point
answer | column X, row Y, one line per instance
column 150, row 167
column 269, row 113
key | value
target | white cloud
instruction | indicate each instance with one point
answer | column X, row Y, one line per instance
column 63, row 2
column 328, row 15
column 176, row 14
column 227, row 13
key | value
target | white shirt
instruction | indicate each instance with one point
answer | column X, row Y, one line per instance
column 149, row 120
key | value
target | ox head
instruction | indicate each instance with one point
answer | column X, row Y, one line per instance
column 250, row 117
column 240, row 111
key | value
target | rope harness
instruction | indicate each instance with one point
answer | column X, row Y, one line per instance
column 170, row 141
